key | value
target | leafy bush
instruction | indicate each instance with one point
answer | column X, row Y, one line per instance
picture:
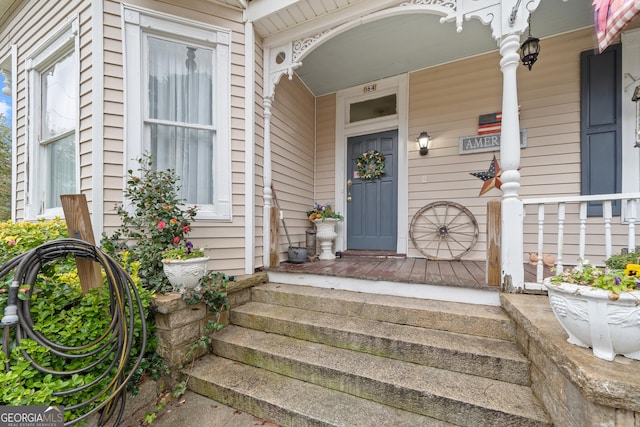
column 62, row 314
column 155, row 220
column 619, row 262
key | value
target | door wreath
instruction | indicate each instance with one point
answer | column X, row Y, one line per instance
column 370, row 165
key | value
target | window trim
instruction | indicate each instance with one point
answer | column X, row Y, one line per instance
column 137, row 22
column 64, row 40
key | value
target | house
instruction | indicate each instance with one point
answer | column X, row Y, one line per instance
column 243, row 97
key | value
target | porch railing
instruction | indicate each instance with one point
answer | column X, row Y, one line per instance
column 569, row 219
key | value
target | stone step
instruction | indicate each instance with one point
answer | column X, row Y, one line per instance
column 487, row 357
column 469, row 319
column 290, row 402
column 453, row 397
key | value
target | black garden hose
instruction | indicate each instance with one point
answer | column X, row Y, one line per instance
column 116, row 341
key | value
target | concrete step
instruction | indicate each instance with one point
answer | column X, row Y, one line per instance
column 290, row 402
column 470, row 319
column 487, row 357
column 453, row 397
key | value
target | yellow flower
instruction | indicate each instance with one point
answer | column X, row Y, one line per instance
column 632, row 270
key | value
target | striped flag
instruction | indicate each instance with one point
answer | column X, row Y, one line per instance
column 490, row 123
column 611, row 16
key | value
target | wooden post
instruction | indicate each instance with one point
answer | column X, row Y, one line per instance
column 76, row 214
column 493, row 243
column 274, row 237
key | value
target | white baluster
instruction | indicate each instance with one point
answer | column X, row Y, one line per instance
column 606, row 213
column 583, row 232
column 539, row 268
column 632, row 210
column 561, row 217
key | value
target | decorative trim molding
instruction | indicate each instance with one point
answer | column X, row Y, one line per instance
column 303, row 45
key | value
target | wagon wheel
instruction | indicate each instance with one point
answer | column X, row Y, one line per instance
column 443, row 231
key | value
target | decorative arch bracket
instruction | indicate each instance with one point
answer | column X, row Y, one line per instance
column 505, row 17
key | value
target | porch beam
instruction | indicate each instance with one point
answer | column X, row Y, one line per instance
column 267, row 182
column 512, row 208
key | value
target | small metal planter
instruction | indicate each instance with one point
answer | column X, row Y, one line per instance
column 297, row 255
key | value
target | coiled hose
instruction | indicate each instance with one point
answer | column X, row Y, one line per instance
column 115, row 342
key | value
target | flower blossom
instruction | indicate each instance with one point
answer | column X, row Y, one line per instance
column 176, row 239
column 162, row 225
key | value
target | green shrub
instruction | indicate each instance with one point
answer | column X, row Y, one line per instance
column 62, row 314
column 619, row 262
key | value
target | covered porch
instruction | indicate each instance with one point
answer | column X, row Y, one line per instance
column 444, row 97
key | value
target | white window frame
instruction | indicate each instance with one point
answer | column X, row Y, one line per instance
column 138, row 23
column 630, row 79
column 64, row 40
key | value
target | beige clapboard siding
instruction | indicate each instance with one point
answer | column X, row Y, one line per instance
column 114, row 173
column 207, row 234
column 447, row 103
column 292, row 130
column 258, row 156
column 325, row 175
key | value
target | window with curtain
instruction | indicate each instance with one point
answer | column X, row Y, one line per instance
column 53, row 122
column 177, row 78
column 179, row 119
column 58, row 130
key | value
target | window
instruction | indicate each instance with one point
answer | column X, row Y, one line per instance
column 53, row 111
column 178, row 104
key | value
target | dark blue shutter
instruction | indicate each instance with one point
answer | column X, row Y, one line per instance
column 601, row 125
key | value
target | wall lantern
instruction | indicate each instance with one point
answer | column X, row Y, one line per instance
column 423, row 143
column 530, row 49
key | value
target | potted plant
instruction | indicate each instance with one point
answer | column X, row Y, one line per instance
column 153, row 218
column 325, row 220
column 599, row 308
column 184, row 266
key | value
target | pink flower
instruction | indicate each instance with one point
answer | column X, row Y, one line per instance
column 162, row 225
column 176, row 239
column 11, row 242
column 186, row 229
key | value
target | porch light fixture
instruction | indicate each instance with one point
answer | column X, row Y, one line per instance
column 530, row 49
column 423, row 143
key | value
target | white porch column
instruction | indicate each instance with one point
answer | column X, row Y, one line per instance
column 512, row 209
column 267, row 179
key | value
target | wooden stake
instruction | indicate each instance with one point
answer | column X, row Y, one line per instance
column 274, row 238
column 494, row 266
column 76, row 214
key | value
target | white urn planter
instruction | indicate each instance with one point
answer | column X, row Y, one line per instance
column 591, row 319
column 185, row 273
column 325, row 234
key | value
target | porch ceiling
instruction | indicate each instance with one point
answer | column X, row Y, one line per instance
column 393, row 45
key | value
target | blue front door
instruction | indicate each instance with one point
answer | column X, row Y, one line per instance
column 372, row 209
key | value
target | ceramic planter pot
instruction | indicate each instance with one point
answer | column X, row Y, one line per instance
column 591, row 319
column 185, row 274
column 325, row 233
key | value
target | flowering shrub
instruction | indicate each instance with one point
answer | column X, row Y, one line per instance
column 156, row 220
column 322, row 212
column 19, row 237
column 615, row 281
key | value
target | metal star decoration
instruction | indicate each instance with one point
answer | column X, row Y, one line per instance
column 491, row 177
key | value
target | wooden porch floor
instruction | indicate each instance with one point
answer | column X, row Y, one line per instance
column 470, row 274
